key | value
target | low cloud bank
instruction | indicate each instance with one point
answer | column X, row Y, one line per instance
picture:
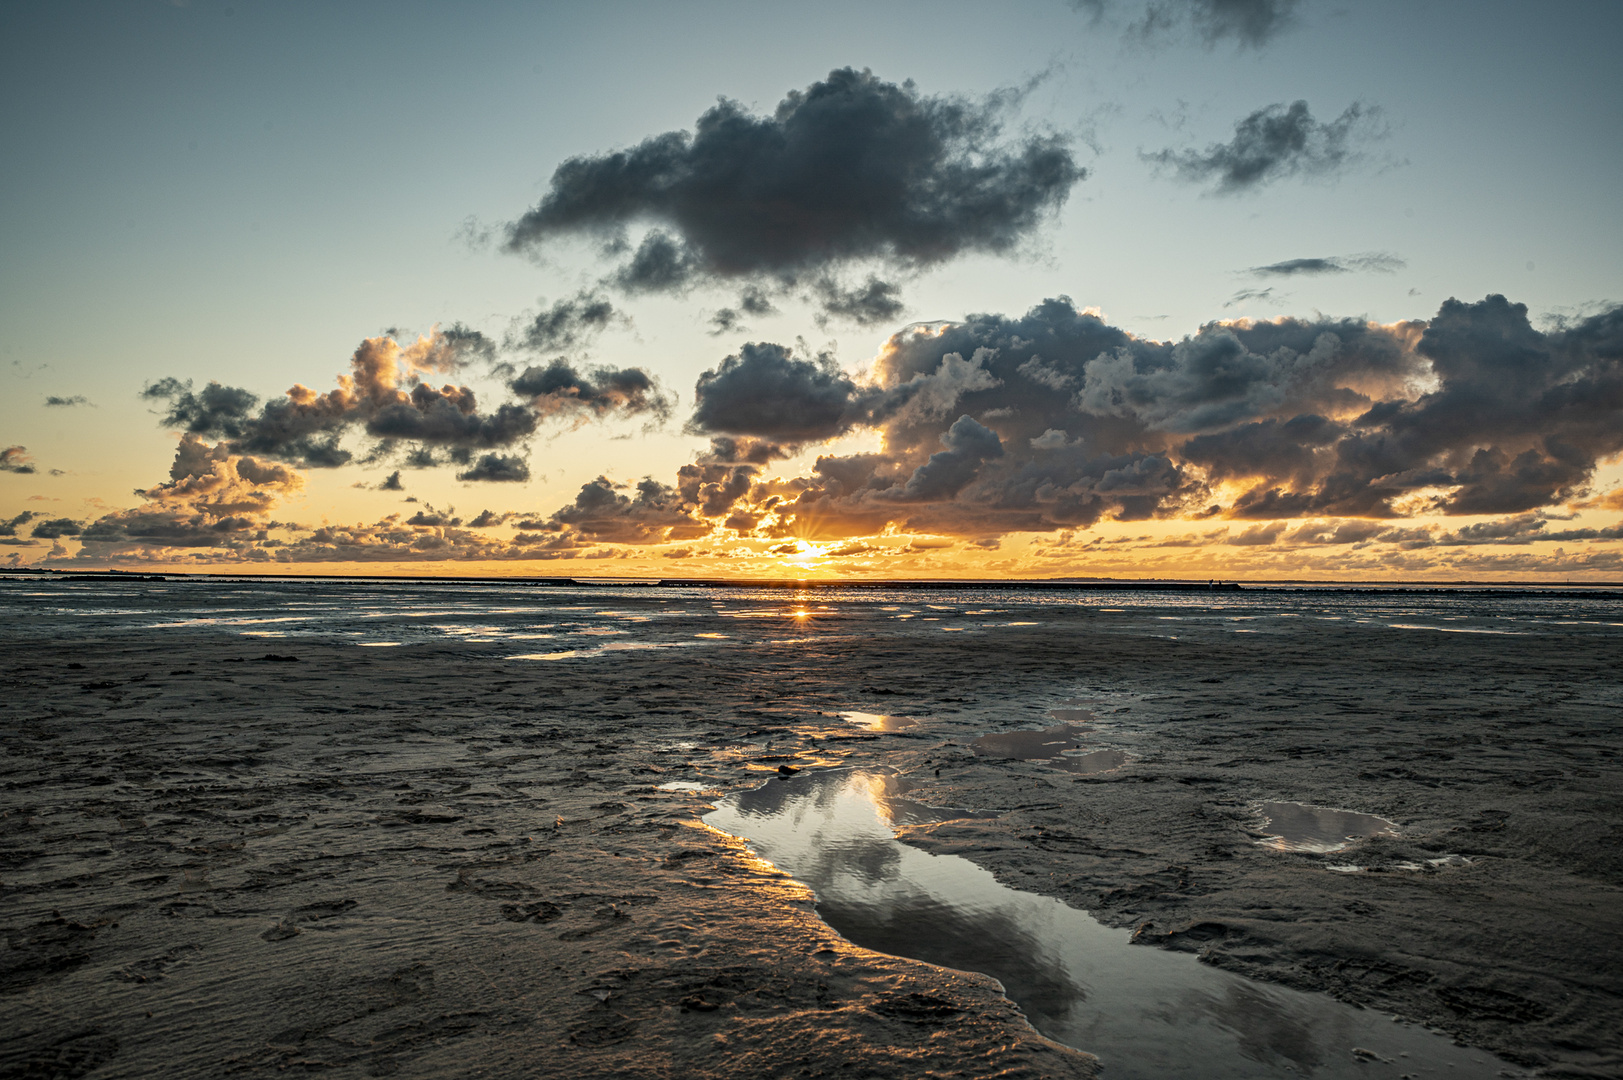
column 1307, row 432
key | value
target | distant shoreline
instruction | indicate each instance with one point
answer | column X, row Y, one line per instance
column 1576, row 588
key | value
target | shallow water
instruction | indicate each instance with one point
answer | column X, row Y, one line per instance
column 1057, row 746
column 1039, row 745
column 506, row 618
column 1293, row 826
column 1145, row 1012
column 879, row 721
column 1095, row 761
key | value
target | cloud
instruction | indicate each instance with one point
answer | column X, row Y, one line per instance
column 55, row 528
column 385, row 395
column 1376, row 261
column 873, row 302
column 214, row 498
column 1250, row 23
column 559, row 389
column 567, row 323
column 1610, row 500
column 603, row 512
column 1274, row 143
column 1257, row 535
column 8, row 526
column 752, row 300
column 501, row 468
column 1059, row 420
column 852, row 169
column 66, row 402
column 388, row 398
column 392, row 482
column 968, row 445
column 394, row 541
column 431, row 518
column 1259, row 296
column 16, row 459
column 1049, row 422
column 763, row 390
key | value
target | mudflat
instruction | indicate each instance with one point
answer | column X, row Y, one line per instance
column 236, row 840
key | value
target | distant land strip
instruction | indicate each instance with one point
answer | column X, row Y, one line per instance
column 1607, row 590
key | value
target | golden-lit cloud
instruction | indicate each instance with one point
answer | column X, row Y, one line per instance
column 996, row 442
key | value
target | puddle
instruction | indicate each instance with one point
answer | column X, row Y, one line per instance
column 1094, row 762
column 1147, row 1013
column 1028, row 745
column 1056, row 745
column 1442, row 863
column 600, row 650
column 1293, row 826
column 878, row 721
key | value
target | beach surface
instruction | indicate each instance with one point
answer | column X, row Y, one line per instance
column 366, row 829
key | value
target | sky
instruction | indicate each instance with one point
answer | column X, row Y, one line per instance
column 1246, row 289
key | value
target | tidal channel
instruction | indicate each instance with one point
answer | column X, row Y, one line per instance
column 1145, row 1012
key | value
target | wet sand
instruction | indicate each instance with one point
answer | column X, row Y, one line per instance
column 437, row 860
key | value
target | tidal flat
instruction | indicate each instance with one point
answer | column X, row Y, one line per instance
column 448, row 829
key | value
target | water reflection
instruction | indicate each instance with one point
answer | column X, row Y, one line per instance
column 1294, row 826
column 1096, row 761
column 878, row 721
column 1145, row 1012
column 1040, row 745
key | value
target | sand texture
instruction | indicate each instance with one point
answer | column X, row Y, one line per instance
column 438, row 860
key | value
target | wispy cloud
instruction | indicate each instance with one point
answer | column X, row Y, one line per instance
column 1378, row 262
column 1275, row 143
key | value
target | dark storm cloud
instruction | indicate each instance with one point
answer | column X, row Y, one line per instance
column 1248, row 22
column 215, row 410
column 441, row 418
column 602, row 512
column 747, row 451
column 501, row 468
column 560, row 388
column 55, row 528
column 763, row 390
column 1273, row 143
column 1379, row 262
column 968, row 444
column 871, row 303
column 1046, row 422
column 1057, row 420
column 16, row 459
column 66, row 402
column 567, row 323
column 851, row 169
